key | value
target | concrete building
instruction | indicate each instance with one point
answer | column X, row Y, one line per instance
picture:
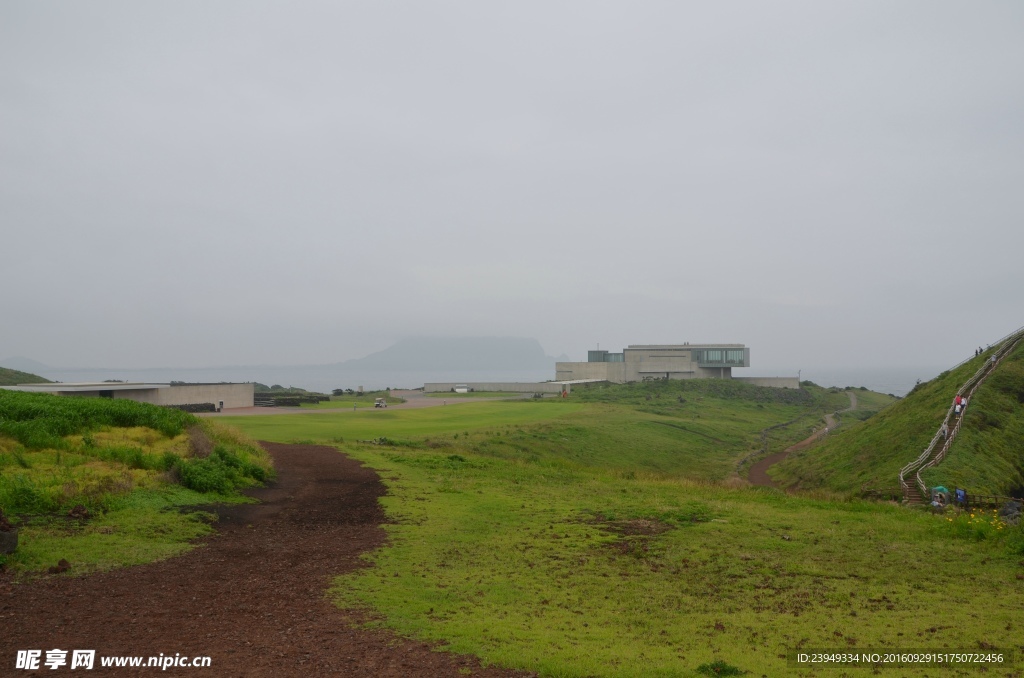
column 222, row 396
column 640, row 362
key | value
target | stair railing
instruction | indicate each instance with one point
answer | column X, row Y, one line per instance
column 1003, row 347
column 999, row 356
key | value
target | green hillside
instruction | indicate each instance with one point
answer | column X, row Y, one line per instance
column 872, row 452
column 9, row 377
column 986, row 459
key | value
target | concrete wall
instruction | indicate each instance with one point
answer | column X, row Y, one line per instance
column 613, row 372
column 774, row 382
column 233, row 395
column 510, row 387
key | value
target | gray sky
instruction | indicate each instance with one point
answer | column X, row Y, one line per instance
column 196, row 183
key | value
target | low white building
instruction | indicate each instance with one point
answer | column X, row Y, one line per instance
column 222, row 396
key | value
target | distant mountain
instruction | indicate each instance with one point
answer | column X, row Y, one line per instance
column 24, row 364
column 434, row 354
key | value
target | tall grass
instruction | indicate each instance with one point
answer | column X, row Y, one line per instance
column 40, row 421
column 57, row 452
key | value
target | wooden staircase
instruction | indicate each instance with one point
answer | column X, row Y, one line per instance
column 912, row 496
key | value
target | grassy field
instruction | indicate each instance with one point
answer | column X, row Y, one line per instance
column 703, row 436
column 587, row 538
column 477, row 394
column 121, row 469
column 401, row 425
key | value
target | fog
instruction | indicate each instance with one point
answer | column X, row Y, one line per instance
column 237, row 183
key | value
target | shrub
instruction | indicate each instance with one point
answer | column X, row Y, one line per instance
column 221, row 472
column 40, row 421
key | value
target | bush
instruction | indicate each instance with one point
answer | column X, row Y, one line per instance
column 221, row 472
column 40, row 421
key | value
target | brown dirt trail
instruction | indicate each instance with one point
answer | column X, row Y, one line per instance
column 758, row 474
column 252, row 597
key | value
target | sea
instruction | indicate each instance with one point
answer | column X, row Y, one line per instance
column 895, row 381
column 325, row 378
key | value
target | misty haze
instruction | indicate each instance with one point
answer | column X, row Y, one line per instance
column 505, row 339
column 195, row 185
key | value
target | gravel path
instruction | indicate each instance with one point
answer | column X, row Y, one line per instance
column 252, row 597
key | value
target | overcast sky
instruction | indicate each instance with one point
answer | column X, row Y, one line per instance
column 197, row 183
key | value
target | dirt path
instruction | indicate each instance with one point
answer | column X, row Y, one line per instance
column 252, row 597
column 759, row 472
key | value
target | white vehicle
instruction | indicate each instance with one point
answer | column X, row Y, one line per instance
column 380, row 402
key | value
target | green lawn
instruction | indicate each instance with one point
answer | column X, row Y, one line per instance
column 589, row 539
column 340, row 404
column 546, row 566
column 478, row 394
column 369, row 424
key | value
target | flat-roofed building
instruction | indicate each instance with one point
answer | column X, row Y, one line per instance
column 221, row 396
column 639, row 362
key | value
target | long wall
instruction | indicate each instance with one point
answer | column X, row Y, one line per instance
column 233, row 395
column 774, row 382
column 501, row 386
column 614, row 372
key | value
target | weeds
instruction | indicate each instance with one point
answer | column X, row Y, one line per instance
column 719, row 668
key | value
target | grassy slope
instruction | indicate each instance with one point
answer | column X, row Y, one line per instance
column 371, row 423
column 528, row 549
column 120, row 460
column 698, row 431
column 987, row 456
column 9, row 377
column 872, row 452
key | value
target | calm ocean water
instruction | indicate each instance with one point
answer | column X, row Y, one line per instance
column 897, row 381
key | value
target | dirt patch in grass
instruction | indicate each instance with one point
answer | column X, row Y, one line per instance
column 253, row 597
column 637, row 526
